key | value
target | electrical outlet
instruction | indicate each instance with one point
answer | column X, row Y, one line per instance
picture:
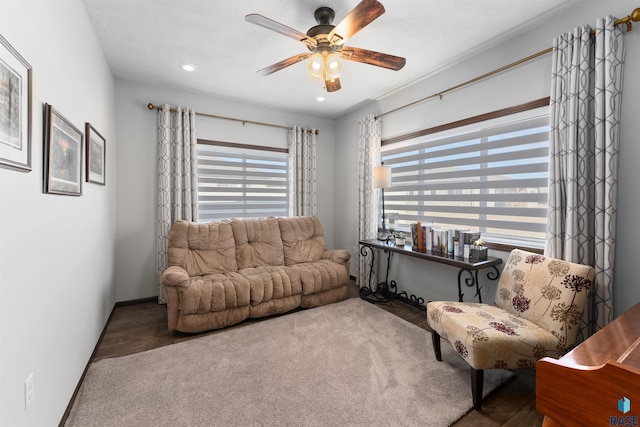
column 29, row 390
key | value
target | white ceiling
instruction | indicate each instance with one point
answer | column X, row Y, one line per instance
column 146, row 40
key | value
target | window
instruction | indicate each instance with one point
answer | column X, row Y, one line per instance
column 241, row 181
column 491, row 176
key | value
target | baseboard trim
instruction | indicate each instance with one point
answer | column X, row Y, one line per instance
column 135, row 301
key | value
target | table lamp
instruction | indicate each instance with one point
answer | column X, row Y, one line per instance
column 382, row 180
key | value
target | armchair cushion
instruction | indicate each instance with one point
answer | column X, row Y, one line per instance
column 489, row 337
column 550, row 292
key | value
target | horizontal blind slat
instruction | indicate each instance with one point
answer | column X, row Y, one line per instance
column 533, row 183
column 481, row 210
column 221, row 182
column 457, row 197
column 244, row 172
column 216, row 163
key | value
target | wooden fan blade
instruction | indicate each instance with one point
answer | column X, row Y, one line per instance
column 272, row 25
column 361, row 16
column 373, row 58
column 284, row 64
column 332, row 85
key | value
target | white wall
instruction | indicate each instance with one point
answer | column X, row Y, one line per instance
column 137, row 171
column 56, row 252
column 524, row 83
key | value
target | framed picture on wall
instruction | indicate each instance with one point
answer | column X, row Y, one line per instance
column 96, row 155
column 15, row 108
column 63, row 155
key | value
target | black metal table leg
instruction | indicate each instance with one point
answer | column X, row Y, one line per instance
column 386, row 290
column 472, row 280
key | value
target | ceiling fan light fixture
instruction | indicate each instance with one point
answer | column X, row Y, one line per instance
column 333, row 62
column 315, row 66
column 333, row 66
column 324, row 66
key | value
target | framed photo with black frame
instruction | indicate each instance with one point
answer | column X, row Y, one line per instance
column 62, row 155
column 96, row 155
column 15, row 109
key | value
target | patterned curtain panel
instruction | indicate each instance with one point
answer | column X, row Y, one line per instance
column 370, row 131
column 177, row 176
column 586, row 91
column 303, row 188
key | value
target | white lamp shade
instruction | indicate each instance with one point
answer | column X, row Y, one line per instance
column 315, row 66
column 382, row 177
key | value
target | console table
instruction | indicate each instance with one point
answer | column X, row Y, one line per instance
column 387, row 290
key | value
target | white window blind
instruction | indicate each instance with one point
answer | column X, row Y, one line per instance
column 488, row 177
column 241, row 181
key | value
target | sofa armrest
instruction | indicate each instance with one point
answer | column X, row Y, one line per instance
column 341, row 256
column 175, row 276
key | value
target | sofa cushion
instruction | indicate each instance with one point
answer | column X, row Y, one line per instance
column 302, row 238
column 214, row 292
column 258, row 242
column 270, row 282
column 202, row 248
column 318, row 276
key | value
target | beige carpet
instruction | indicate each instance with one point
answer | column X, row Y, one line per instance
column 344, row 364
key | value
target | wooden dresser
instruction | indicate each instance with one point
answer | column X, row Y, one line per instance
column 583, row 387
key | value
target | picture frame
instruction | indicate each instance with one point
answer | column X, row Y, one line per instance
column 15, row 108
column 96, row 155
column 63, row 145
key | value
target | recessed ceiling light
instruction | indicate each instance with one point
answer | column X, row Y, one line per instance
column 188, row 67
column 320, row 98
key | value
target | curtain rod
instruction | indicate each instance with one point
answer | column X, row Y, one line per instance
column 634, row 16
column 150, row 106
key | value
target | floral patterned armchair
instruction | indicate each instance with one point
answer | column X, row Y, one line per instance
column 537, row 311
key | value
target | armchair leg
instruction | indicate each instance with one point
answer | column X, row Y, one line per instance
column 435, row 338
column 477, row 380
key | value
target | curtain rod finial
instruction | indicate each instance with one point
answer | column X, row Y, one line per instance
column 150, row 106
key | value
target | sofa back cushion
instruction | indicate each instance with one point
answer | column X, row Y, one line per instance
column 302, row 238
column 202, row 248
column 258, row 242
column 549, row 292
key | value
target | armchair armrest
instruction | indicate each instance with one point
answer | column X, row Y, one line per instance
column 341, row 256
column 175, row 276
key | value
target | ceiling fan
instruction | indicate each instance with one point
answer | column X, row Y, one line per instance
column 326, row 43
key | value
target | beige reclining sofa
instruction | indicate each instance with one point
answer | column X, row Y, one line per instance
column 221, row 273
